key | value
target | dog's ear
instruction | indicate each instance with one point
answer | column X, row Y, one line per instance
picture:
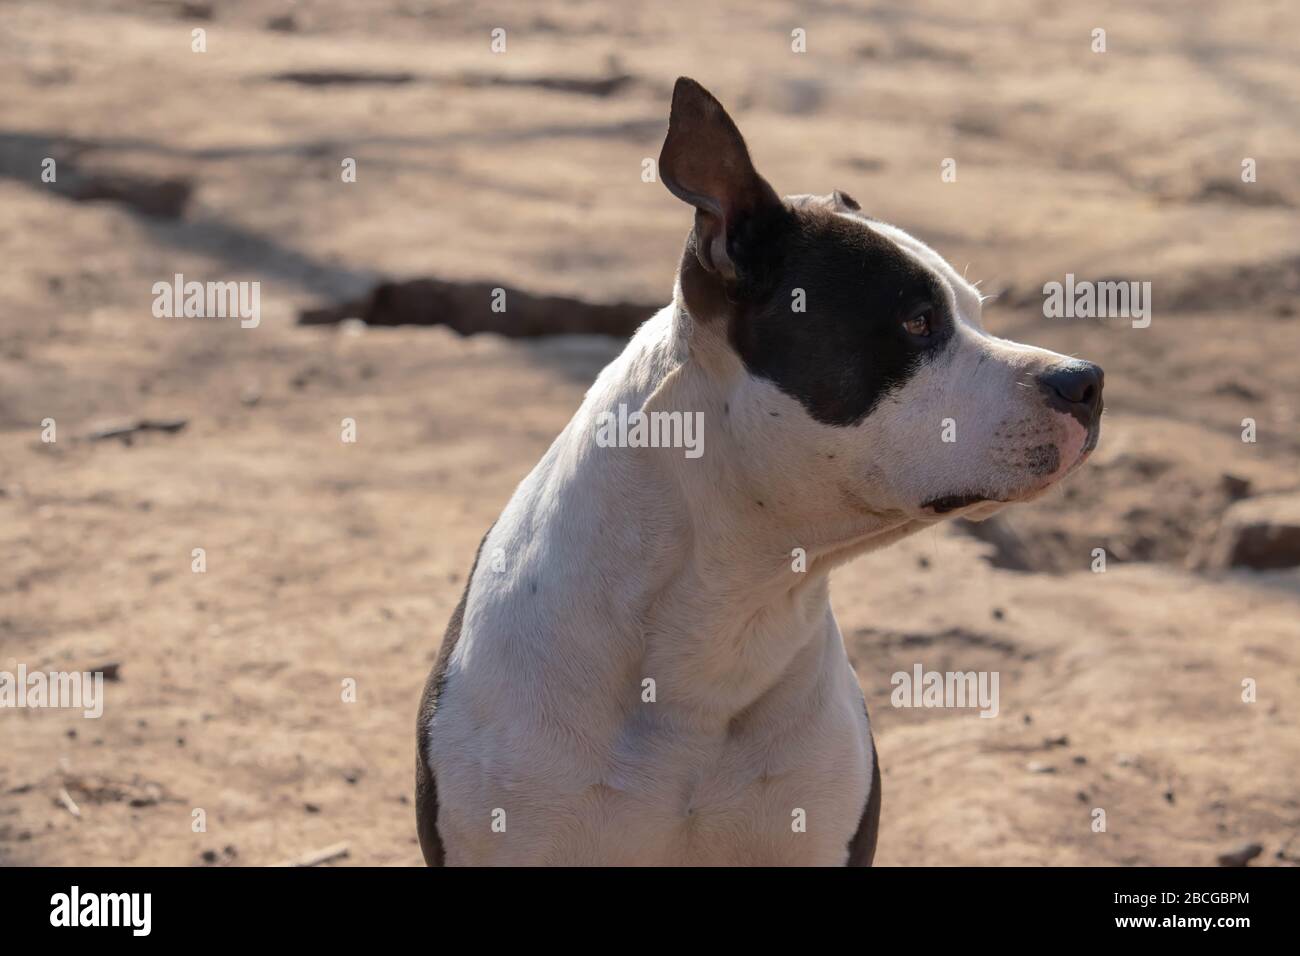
column 704, row 162
column 844, row 201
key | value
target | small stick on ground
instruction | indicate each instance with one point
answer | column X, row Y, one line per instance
column 69, row 804
column 125, row 430
column 336, row 852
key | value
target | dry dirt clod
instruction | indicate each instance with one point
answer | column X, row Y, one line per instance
column 1260, row 533
column 467, row 308
column 112, row 670
column 159, row 198
column 1234, row 486
column 1241, row 856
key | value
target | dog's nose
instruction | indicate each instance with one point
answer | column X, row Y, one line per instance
column 1074, row 387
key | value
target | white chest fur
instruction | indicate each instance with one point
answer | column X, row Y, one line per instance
column 641, row 677
column 784, row 782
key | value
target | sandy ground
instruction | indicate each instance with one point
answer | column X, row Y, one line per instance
column 329, row 561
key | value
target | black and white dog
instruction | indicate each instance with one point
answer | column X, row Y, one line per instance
column 644, row 667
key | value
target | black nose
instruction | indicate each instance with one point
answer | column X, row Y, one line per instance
column 1074, row 387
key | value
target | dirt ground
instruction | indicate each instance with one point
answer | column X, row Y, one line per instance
column 329, row 561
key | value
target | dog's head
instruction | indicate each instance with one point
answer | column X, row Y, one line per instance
column 864, row 356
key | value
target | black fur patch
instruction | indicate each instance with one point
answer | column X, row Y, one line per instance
column 862, row 847
column 848, row 349
column 426, row 787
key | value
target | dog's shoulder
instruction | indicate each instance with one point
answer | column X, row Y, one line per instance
column 426, row 787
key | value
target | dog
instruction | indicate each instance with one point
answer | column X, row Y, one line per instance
column 644, row 668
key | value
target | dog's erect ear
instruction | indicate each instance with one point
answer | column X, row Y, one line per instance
column 704, row 162
column 844, row 200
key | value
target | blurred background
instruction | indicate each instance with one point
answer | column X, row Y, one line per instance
column 521, row 167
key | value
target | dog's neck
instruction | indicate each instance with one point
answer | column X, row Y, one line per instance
column 739, row 605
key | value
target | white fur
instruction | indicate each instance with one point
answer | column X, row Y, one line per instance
column 613, row 565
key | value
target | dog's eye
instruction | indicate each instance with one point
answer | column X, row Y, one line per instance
column 920, row 322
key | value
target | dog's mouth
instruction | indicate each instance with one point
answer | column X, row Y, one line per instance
column 1094, row 436
column 947, row 504
column 950, row 503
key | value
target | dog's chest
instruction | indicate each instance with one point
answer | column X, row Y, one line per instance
column 735, row 813
column 649, row 796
